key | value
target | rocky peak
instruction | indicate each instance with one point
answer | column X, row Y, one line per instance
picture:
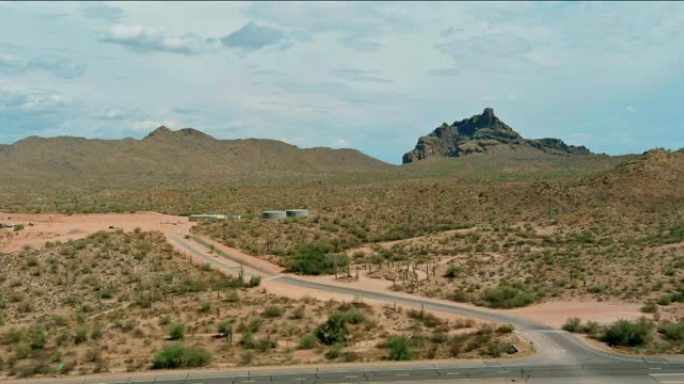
column 481, row 134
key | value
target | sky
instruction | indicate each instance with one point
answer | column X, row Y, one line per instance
column 370, row 76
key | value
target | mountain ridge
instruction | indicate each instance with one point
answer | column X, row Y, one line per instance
column 164, row 153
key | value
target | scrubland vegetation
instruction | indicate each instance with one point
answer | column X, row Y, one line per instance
column 644, row 335
column 118, row 301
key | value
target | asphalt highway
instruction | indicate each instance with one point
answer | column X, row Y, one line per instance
column 560, row 357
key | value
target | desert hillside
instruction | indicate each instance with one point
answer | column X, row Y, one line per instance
column 168, row 156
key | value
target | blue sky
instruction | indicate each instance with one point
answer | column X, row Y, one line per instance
column 372, row 76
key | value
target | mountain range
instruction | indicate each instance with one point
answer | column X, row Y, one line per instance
column 187, row 154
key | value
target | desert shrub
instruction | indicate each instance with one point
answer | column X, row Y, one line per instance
column 508, row 296
column 399, row 348
column 309, row 260
column 254, row 281
column 333, row 353
column 649, row 307
column 225, row 330
column 81, row 335
column 297, row 314
column 505, row 328
column 308, row 341
column 253, row 325
column 428, row 319
column 334, row 330
column 452, row 271
column 178, row 356
column 176, row 331
column 36, row 336
column 247, row 340
column 628, row 334
column 496, row 349
column 204, row 307
column 265, row 343
column 572, row 324
column 438, row 337
column 673, row 331
column 353, row 316
column 272, row 311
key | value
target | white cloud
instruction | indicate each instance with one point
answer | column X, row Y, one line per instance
column 33, row 100
column 143, row 40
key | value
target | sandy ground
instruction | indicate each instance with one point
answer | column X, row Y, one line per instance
column 56, row 227
column 40, row 228
column 555, row 313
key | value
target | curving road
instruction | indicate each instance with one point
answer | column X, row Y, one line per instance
column 560, row 357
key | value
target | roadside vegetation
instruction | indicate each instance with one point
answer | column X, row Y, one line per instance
column 127, row 301
column 643, row 335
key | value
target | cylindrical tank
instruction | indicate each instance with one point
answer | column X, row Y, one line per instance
column 271, row 215
column 297, row 212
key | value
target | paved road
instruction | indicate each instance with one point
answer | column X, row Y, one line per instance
column 560, row 357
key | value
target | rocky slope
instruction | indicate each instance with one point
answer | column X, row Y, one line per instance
column 484, row 133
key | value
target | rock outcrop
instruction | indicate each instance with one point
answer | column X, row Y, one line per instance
column 481, row 134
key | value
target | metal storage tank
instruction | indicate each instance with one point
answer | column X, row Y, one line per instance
column 271, row 215
column 297, row 212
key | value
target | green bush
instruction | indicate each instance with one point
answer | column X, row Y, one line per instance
column 176, row 331
column 265, row 343
column 308, row 341
column 673, row 331
column 36, row 336
column 253, row 325
column 334, row 330
column 225, row 330
column 333, row 353
column 399, row 348
column 297, row 314
column 452, row 271
column 572, row 324
column 353, row 316
column 508, row 296
column 272, row 311
column 314, row 259
column 254, row 281
column 179, row 356
column 247, row 340
column 628, row 334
